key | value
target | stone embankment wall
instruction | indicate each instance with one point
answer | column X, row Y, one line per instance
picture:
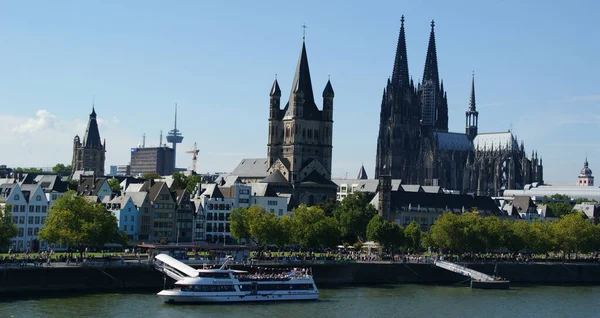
column 46, row 280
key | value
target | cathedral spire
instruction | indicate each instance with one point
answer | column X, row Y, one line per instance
column 472, row 99
column 400, row 73
column 431, row 66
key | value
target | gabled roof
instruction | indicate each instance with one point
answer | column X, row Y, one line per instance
column 262, row 190
column 212, row 190
column 90, row 186
column 156, row 189
column 138, row 198
column 275, row 178
column 254, row 168
column 501, row 140
column 453, row 141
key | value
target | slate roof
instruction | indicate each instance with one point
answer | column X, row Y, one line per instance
column 435, row 202
column 138, row 198
column 255, row 168
column 155, row 190
column 275, row 178
column 91, row 139
column 52, row 183
column 6, row 190
column 262, row 189
column 315, row 178
column 453, row 141
column 89, row 186
column 302, row 83
column 362, row 173
column 212, row 191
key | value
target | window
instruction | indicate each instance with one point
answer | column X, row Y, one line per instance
column 37, row 220
column 21, row 220
column 38, row 197
column 132, row 218
column 280, row 212
column 22, row 208
column 30, row 220
column 30, row 231
column 44, row 208
column 271, row 202
column 16, row 197
column 31, row 208
column 38, row 208
column 21, row 232
column 125, row 218
column 244, row 201
column 128, row 209
column 36, row 231
column 15, row 219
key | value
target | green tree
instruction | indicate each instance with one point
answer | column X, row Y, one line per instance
column 8, row 229
column 28, row 170
column 311, row 228
column 62, row 170
column 353, row 214
column 412, row 236
column 79, row 223
column 255, row 224
column 388, row 234
column 447, row 233
column 114, row 184
column 151, row 175
column 575, row 232
column 328, row 206
column 189, row 183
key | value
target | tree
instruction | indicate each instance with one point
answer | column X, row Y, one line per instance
column 28, row 170
column 114, row 184
column 353, row 214
column 412, row 235
column 77, row 222
column 388, row 234
column 62, row 170
column 311, row 228
column 575, row 232
column 328, row 206
column 255, row 224
column 151, row 175
column 188, row 183
column 8, row 229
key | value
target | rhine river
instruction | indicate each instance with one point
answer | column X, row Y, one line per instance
column 380, row 301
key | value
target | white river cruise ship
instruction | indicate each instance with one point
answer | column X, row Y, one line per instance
column 228, row 285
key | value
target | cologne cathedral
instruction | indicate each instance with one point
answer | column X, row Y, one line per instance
column 414, row 144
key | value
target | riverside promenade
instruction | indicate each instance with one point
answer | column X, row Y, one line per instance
column 128, row 275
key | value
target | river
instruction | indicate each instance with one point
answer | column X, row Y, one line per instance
column 360, row 301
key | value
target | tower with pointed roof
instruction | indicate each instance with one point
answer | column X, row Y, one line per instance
column 472, row 115
column 414, row 144
column 300, row 137
column 585, row 178
column 89, row 154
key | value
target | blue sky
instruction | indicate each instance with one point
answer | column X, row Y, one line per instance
column 535, row 64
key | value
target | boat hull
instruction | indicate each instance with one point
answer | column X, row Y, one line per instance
column 496, row 284
column 176, row 297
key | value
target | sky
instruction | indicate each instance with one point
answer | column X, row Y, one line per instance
column 535, row 70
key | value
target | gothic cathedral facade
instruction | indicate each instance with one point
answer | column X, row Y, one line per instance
column 414, row 144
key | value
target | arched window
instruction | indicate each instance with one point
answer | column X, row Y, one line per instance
column 38, row 198
column 16, row 197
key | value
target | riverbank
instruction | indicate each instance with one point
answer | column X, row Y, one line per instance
column 16, row 281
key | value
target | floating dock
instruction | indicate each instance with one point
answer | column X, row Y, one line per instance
column 478, row 279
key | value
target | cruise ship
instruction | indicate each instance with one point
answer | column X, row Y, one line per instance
column 227, row 285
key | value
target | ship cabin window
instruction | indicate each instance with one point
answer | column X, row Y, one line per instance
column 285, row 287
column 208, row 288
column 214, row 275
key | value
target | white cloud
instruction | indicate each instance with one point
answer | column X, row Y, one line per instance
column 45, row 139
column 43, row 120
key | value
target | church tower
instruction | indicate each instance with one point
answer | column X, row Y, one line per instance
column 89, row 154
column 472, row 115
column 300, row 138
column 585, row 178
column 434, row 102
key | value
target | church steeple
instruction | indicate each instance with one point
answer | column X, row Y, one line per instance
column 400, row 72
column 302, row 87
column 472, row 115
column 431, row 65
column 91, row 139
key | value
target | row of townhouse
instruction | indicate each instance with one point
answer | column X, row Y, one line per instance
column 146, row 210
column 28, row 198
